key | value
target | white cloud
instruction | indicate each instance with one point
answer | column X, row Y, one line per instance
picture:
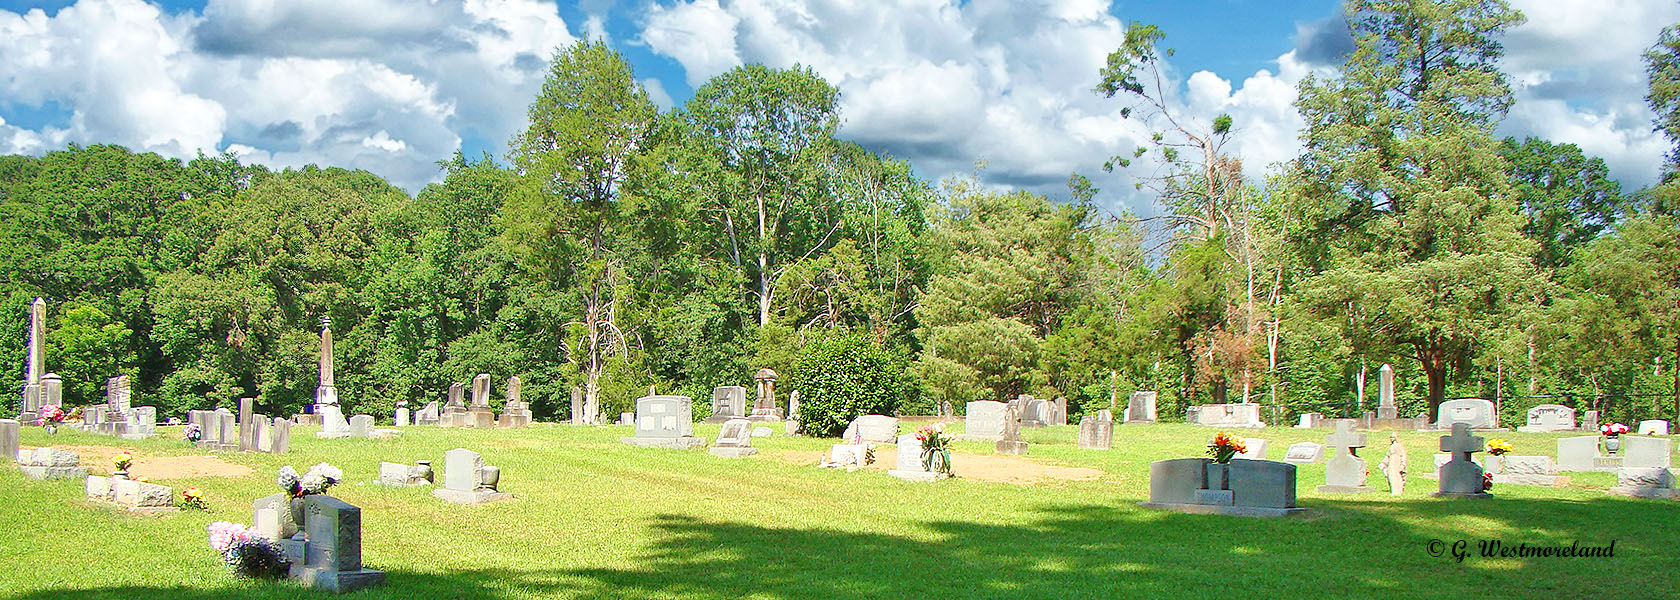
column 381, row 85
column 944, row 84
column 656, row 93
column 1577, row 73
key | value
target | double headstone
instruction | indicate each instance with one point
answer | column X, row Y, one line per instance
column 1229, row 415
column 1344, row 471
column 880, row 429
column 664, row 421
column 1580, row 453
column 1548, row 418
column 1257, row 488
column 984, row 420
column 1475, row 412
column 1096, row 432
column 734, row 440
column 467, row 480
column 1035, row 412
column 50, row 463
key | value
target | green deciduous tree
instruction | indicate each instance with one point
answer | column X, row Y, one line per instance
column 1568, row 198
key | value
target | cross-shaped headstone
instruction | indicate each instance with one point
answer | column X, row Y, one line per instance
column 1461, row 444
column 1345, row 440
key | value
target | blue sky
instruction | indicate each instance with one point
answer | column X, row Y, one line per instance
column 392, row 86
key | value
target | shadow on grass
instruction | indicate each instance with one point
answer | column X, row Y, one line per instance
column 1347, row 549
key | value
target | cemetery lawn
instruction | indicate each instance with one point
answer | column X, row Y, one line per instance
column 598, row 519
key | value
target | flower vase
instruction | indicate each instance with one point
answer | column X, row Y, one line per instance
column 52, row 429
column 297, row 511
column 1612, row 444
column 119, row 474
column 1218, row 476
column 936, row 461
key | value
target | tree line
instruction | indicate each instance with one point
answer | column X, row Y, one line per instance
column 618, row 246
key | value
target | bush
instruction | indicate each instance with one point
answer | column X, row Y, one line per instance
column 842, row 378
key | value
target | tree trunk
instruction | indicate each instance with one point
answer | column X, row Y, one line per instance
column 763, row 269
column 1675, row 367
column 1435, row 367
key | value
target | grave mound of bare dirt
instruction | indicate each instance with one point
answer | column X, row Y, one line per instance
column 98, row 459
column 980, row 467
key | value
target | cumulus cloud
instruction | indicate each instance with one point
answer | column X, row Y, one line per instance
column 945, row 84
column 381, row 85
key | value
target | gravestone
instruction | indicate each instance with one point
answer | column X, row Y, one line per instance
column 247, row 425
column 577, row 406
column 117, row 394
column 1096, row 432
column 29, row 410
column 330, row 556
column 479, row 413
column 516, row 412
column 984, row 420
column 848, row 456
column 1645, row 452
column 728, row 402
column 1344, row 470
column 880, row 429
column 50, row 463
column 909, row 466
column 361, row 426
column 1461, row 478
column 401, row 475
column 1385, row 394
column 664, row 421
column 1589, row 420
column 333, row 423
column 1644, row 482
column 9, row 431
column 1524, row 470
column 282, row 436
column 229, row 427
column 455, row 409
column 1475, row 412
column 734, row 440
column 1253, row 488
column 1393, row 465
column 467, row 480
column 1060, row 418
column 793, row 405
column 265, row 433
column 136, row 496
column 428, row 414
column 1035, row 412
column 271, row 515
column 1229, row 415
column 1652, row 427
column 1256, row 449
column 142, row 423
column 1140, row 408
column 1548, row 418
column 1580, row 453
column 1310, row 421
column 765, row 408
column 1011, row 442
column 326, row 394
column 399, row 417
column 1304, row 453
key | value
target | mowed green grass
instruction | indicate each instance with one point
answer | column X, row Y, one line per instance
column 598, row 519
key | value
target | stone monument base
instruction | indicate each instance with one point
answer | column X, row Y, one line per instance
column 54, row 472
column 677, row 443
column 470, row 497
column 733, row 452
column 515, row 421
column 965, row 437
column 331, row 435
column 1461, row 495
column 1645, row 492
column 1217, row 509
column 139, row 510
column 920, row 476
column 337, row 582
column 765, row 414
column 1530, row 479
column 307, row 419
column 1011, row 448
column 1345, row 489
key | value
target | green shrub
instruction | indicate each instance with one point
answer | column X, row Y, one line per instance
column 842, row 378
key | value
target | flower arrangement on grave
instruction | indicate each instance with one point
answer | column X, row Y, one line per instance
column 249, row 554
column 1613, row 429
column 193, row 498
column 317, row 480
column 1498, row 447
column 936, row 448
column 1487, row 481
column 50, row 416
column 193, row 433
column 1224, row 446
column 121, row 462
